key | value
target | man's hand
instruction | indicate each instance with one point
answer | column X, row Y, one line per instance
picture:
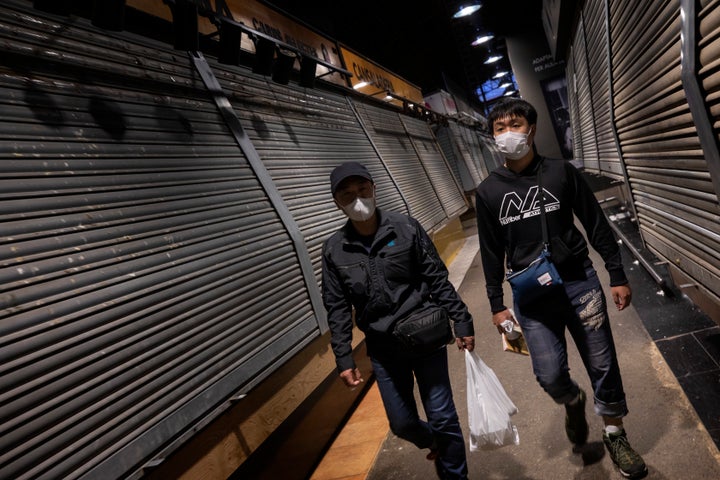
column 351, row 377
column 499, row 317
column 466, row 343
column 621, row 295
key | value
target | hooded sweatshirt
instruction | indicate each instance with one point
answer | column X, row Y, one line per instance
column 510, row 229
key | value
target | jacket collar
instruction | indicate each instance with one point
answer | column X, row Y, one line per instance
column 385, row 227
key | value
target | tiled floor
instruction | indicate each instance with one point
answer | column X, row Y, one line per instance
column 353, row 452
column 694, row 359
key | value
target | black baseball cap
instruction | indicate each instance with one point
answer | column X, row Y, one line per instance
column 345, row 170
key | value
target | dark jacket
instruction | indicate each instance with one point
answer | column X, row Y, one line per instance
column 401, row 273
column 510, row 231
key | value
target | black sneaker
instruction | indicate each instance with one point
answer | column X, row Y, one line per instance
column 629, row 462
column 576, row 427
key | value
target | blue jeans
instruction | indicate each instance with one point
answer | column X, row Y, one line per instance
column 580, row 307
column 395, row 373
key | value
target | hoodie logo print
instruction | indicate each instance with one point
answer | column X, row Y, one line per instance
column 514, row 208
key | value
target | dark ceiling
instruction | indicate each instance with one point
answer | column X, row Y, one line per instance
column 418, row 39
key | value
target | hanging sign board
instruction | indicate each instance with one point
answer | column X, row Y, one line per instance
column 373, row 80
column 263, row 19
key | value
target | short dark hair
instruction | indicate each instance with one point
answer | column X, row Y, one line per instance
column 511, row 107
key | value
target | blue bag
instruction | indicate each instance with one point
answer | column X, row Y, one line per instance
column 534, row 281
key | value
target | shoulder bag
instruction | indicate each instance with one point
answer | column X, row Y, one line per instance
column 424, row 330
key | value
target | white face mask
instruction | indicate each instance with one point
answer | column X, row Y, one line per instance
column 514, row 145
column 361, row 209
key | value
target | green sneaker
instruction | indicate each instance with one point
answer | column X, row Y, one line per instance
column 631, row 464
column 576, row 427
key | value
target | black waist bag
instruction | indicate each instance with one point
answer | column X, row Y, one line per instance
column 424, row 330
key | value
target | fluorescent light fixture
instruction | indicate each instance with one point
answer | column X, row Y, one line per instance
column 465, row 11
column 506, row 84
column 500, row 74
column 508, row 93
column 493, row 59
column 360, row 85
column 481, row 39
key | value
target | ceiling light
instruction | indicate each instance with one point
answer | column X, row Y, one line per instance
column 500, row 74
column 465, row 11
column 481, row 39
column 506, row 84
column 493, row 59
column 360, row 85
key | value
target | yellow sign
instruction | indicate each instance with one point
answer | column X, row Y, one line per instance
column 371, row 79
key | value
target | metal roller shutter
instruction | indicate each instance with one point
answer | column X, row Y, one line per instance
column 485, row 157
column 594, row 20
column 468, row 152
column 705, row 254
column 298, row 133
column 583, row 94
column 146, row 277
column 574, row 107
column 397, row 152
column 492, row 158
column 674, row 197
column 474, row 153
column 456, row 144
column 447, row 144
column 444, row 182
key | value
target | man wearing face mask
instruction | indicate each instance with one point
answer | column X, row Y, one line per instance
column 382, row 266
column 510, row 232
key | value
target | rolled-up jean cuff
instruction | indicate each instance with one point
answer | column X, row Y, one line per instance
column 613, row 410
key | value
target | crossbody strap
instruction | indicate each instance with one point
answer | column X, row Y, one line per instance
column 543, row 222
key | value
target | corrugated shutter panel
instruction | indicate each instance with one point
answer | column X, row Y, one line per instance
column 298, row 133
column 574, row 107
column 402, row 161
column 456, row 144
column 492, row 158
column 599, row 69
column 446, row 185
column 476, row 147
column 145, row 275
column 445, row 139
column 674, row 196
column 475, row 151
column 485, row 156
column 468, row 149
column 584, row 101
column 708, row 250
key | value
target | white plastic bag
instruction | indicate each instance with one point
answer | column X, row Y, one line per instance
column 489, row 407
